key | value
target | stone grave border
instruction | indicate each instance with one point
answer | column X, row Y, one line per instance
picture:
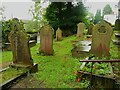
column 114, row 81
column 6, row 85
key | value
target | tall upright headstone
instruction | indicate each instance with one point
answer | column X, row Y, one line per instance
column 101, row 36
column 59, row 34
column 80, row 29
column 19, row 44
column 46, row 40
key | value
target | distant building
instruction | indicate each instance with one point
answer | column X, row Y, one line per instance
column 110, row 18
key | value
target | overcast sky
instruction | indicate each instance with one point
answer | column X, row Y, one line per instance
column 19, row 8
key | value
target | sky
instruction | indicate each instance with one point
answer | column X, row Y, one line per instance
column 100, row 4
column 20, row 8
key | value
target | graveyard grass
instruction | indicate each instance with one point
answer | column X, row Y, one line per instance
column 57, row 71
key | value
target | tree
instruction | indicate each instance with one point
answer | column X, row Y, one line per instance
column 37, row 13
column 2, row 9
column 65, row 15
column 107, row 10
column 89, row 19
column 98, row 16
column 6, row 28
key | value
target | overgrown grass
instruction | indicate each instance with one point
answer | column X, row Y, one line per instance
column 10, row 73
column 57, row 71
column 6, row 56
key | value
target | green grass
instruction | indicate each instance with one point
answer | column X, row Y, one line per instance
column 6, row 56
column 57, row 71
column 10, row 73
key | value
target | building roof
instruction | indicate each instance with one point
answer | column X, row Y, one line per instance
column 110, row 18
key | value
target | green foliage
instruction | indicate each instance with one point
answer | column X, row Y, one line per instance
column 107, row 10
column 6, row 28
column 37, row 13
column 57, row 71
column 10, row 73
column 6, row 56
column 98, row 16
column 65, row 15
column 30, row 26
column 100, row 69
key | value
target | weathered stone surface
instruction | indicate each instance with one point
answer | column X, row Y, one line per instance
column 117, row 25
column 46, row 40
column 90, row 27
column 119, row 10
column 80, row 29
column 19, row 44
column 59, row 34
column 101, row 36
column 81, row 48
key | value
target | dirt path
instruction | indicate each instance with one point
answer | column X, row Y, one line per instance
column 29, row 82
column 5, row 64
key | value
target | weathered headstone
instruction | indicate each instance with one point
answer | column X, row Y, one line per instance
column 59, row 34
column 116, row 40
column 80, row 29
column 46, row 40
column 90, row 27
column 119, row 10
column 19, row 45
column 117, row 25
column 117, row 22
column 101, row 36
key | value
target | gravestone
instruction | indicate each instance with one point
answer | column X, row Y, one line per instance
column 46, row 40
column 80, row 29
column 116, row 39
column 117, row 25
column 101, row 36
column 19, row 45
column 59, row 34
column 117, row 22
column 119, row 10
column 90, row 27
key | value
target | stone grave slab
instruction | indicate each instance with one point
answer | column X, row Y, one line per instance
column 81, row 48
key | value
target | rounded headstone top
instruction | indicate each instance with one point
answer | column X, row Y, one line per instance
column 80, row 23
column 59, row 29
column 47, row 27
column 103, row 28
